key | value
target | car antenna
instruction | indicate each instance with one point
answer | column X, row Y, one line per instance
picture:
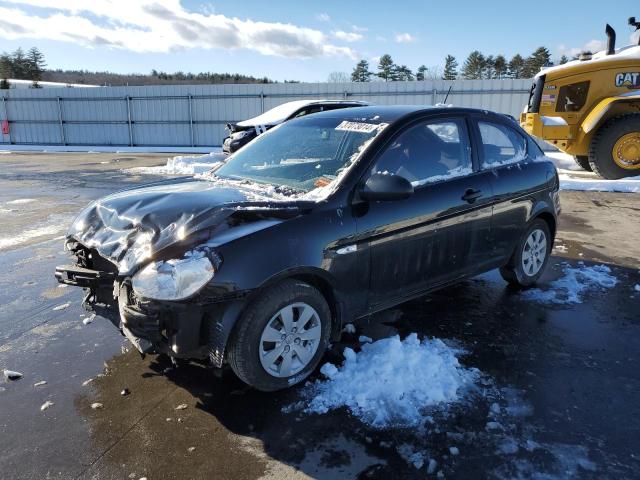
column 447, row 95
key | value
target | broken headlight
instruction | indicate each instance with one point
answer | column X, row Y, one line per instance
column 174, row 279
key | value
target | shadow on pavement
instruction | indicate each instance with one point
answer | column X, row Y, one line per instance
column 558, row 397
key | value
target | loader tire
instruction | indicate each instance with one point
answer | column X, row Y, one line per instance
column 583, row 162
column 615, row 148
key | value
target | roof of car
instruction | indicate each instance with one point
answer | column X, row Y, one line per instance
column 392, row 113
column 283, row 111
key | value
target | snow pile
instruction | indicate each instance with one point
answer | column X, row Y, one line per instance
column 575, row 282
column 597, row 184
column 573, row 177
column 183, row 165
column 390, row 382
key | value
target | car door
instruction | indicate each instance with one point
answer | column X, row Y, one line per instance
column 425, row 240
column 515, row 179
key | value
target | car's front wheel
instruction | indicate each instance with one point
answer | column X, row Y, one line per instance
column 281, row 337
column 530, row 257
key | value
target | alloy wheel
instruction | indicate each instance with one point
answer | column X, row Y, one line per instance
column 534, row 252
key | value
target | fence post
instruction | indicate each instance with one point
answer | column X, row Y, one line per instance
column 63, row 139
column 261, row 102
column 129, row 120
column 191, row 121
column 434, row 96
column 6, row 116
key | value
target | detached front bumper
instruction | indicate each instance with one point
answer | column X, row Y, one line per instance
column 197, row 328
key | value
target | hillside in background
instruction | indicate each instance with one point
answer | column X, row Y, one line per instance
column 154, row 78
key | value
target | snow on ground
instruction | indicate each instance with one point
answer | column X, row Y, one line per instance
column 6, row 149
column 183, row 165
column 30, row 234
column 391, row 382
column 572, row 177
column 574, row 283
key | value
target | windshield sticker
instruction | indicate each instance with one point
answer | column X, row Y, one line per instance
column 357, row 127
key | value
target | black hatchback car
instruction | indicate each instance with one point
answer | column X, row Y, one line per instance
column 319, row 222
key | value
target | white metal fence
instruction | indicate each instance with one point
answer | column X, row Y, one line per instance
column 196, row 115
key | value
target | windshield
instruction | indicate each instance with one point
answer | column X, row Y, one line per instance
column 302, row 154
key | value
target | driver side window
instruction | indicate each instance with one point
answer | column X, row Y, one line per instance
column 428, row 152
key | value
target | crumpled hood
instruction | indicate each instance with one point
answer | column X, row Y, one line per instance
column 129, row 227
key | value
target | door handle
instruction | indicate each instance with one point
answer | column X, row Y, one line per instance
column 471, row 195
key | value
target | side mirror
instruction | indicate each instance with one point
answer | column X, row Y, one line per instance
column 386, row 187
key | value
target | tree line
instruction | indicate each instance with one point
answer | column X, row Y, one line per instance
column 32, row 66
column 23, row 66
column 476, row 66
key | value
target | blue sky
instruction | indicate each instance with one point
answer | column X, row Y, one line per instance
column 301, row 40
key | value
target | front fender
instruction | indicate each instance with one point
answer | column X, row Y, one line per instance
column 607, row 107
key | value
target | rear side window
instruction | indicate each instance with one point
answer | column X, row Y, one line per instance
column 571, row 98
column 501, row 145
column 308, row 111
column 428, row 152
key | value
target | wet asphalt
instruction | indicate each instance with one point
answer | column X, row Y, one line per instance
column 558, row 396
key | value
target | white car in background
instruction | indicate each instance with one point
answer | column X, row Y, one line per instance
column 243, row 132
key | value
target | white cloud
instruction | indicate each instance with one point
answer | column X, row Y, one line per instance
column 405, row 38
column 323, row 17
column 592, row 46
column 358, row 29
column 160, row 26
column 347, row 36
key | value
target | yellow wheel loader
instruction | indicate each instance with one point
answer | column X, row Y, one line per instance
column 590, row 108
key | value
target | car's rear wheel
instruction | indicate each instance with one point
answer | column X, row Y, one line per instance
column 281, row 337
column 530, row 256
column 583, row 162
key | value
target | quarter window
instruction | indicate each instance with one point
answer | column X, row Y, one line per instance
column 428, row 152
column 501, row 145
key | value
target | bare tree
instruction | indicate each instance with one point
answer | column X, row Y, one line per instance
column 338, row 77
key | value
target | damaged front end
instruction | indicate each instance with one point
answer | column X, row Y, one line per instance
column 147, row 259
column 179, row 327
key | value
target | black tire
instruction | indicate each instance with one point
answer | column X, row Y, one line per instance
column 244, row 345
column 600, row 153
column 583, row 162
column 513, row 272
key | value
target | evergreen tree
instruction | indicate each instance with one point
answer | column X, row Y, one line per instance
column 500, row 66
column 5, row 71
column 421, row 74
column 489, row 68
column 450, row 68
column 35, row 66
column 474, row 66
column 19, row 64
column 403, row 73
column 516, row 66
column 563, row 60
column 538, row 59
column 386, row 68
column 361, row 72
